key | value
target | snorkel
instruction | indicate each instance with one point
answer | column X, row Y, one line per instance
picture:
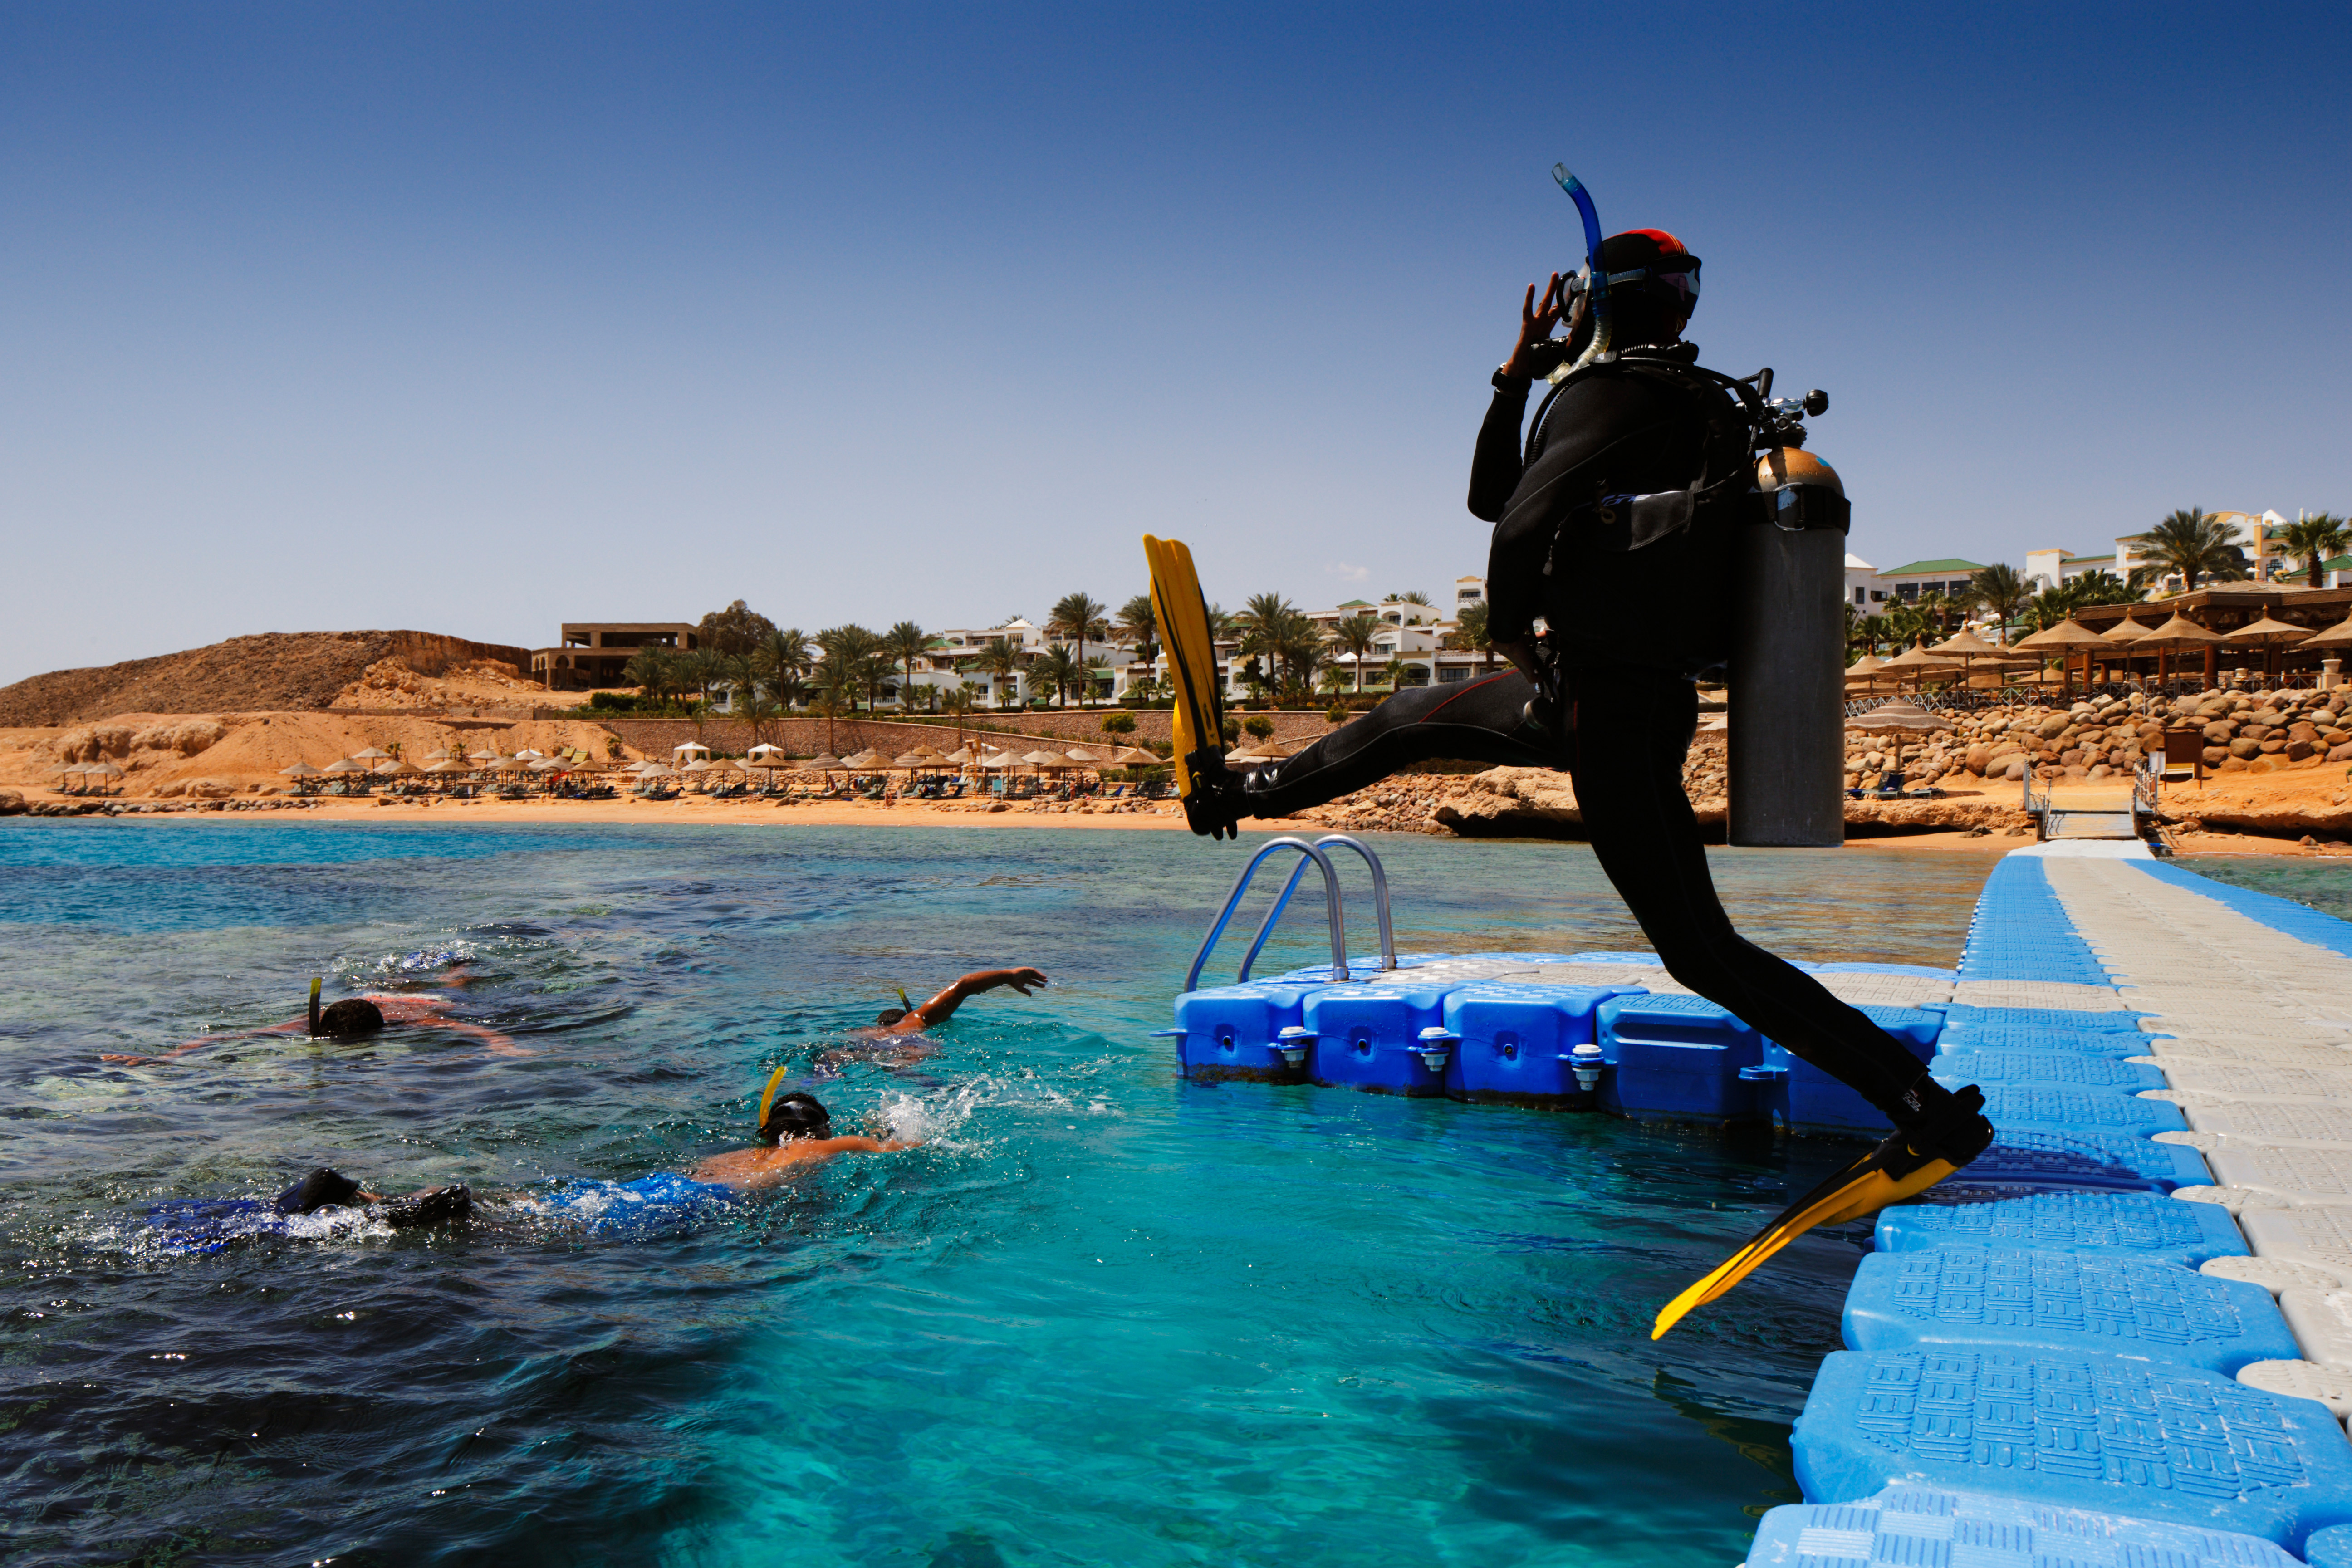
column 1595, row 276
column 768, row 1098
column 316, row 981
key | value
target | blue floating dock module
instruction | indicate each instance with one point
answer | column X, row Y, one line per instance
column 1964, row 1017
column 1230, row 1031
column 2073, row 1109
column 1916, row 970
column 1914, row 1527
column 2011, row 1297
column 2020, row 932
column 1370, row 1036
column 1806, row 1100
column 2061, row 1069
column 2118, row 1224
column 1513, row 1043
column 2103, row 1433
column 1678, row 1058
column 2045, row 1156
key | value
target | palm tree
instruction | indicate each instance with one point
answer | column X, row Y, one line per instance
column 2313, row 538
column 957, row 699
column 1078, row 617
column 702, row 670
column 2193, row 543
column 1138, row 623
column 857, row 653
column 836, row 693
column 2003, row 590
column 653, row 671
column 2103, row 588
column 1001, row 661
column 1059, row 668
column 1355, row 634
column 905, row 643
column 783, row 662
column 1470, row 631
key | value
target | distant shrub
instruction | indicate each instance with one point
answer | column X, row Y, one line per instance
column 1119, row 724
column 612, row 702
column 1258, row 725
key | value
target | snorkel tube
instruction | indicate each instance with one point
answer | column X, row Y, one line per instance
column 1596, row 276
column 315, row 981
column 768, row 1096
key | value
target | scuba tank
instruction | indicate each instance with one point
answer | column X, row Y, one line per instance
column 1787, row 670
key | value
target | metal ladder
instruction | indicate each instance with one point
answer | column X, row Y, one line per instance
column 1308, row 853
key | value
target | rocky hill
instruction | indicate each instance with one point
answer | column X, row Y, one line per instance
column 277, row 671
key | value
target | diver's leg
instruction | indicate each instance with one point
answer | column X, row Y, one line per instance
column 1633, row 730
column 1481, row 721
column 320, row 1189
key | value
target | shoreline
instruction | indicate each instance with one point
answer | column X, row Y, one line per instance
column 1157, row 817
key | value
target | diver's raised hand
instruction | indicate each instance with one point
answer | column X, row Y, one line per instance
column 1537, row 319
column 1024, row 980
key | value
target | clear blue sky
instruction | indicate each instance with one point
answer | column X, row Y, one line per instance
column 476, row 319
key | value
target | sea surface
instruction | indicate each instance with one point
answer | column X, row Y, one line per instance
column 1100, row 1316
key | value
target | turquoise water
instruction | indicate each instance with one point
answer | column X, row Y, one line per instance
column 2324, row 884
column 1101, row 1316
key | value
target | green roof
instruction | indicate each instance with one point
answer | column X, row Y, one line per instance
column 1921, row 568
column 2341, row 563
column 1356, row 605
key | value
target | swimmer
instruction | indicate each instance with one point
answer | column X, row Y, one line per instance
column 795, row 1132
column 352, row 1018
column 208, row 1224
column 907, row 1019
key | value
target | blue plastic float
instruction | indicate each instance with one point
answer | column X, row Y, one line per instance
column 2124, row 1225
column 1912, row 1527
column 2075, row 1430
column 2020, row 1299
column 2064, row 1069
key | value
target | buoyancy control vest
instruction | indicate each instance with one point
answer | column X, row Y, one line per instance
column 1640, row 566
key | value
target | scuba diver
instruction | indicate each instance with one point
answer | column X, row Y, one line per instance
column 352, row 1018
column 1613, row 525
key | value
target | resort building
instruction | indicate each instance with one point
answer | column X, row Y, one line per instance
column 594, row 653
column 2057, row 567
column 1908, row 582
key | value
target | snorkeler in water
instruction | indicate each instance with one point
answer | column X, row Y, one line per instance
column 909, row 1019
column 795, row 1132
column 351, row 1018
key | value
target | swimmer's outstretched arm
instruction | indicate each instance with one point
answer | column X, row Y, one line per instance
column 293, row 1026
column 940, row 1008
column 500, row 1044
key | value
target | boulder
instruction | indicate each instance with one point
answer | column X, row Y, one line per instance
column 11, row 803
column 2298, row 750
column 2243, row 748
column 2342, row 754
column 1978, row 757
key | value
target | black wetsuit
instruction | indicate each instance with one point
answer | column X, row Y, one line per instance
column 1630, row 706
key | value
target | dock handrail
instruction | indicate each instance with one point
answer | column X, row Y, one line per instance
column 1241, row 886
column 1379, row 903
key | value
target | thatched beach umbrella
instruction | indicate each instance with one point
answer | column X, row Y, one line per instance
column 869, row 758
column 825, row 763
column 2269, row 634
column 914, row 760
column 1913, row 664
column 2178, row 633
column 299, row 771
column 963, row 756
column 2334, row 637
column 393, row 765
column 1136, row 757
column 345, row 765
column 483, row 757
column 1045, row 759
column 2062, row 641
column 447, row 765
column 1907, row 717
column 440, row 755
column 371, row 754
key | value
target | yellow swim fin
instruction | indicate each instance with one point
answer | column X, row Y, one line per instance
column 1200, row 712
column 1893, row 1171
